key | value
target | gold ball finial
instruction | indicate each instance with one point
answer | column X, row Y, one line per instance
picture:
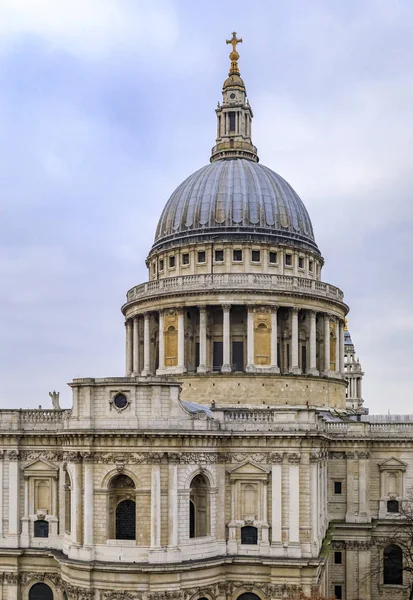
column 234, row 56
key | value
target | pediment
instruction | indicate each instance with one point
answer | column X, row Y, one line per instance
column 392, row 464
column 248, row 470
column 40, row 466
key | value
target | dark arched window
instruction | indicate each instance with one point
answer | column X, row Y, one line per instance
column 40, row 591
column 249, row 535
column 248, row 596
column 41, row 528
column 199, row 507
column 392, row 506
column 393, row 565
column 126, row 520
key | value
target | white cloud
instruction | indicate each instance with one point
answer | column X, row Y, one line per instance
column 92, row 28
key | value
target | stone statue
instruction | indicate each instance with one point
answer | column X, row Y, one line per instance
column 55, row 399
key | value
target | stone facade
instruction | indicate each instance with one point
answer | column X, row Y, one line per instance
column 235, row 458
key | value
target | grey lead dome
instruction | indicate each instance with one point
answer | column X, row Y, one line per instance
column 235, row 199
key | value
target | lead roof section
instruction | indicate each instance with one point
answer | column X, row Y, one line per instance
column 236, row 197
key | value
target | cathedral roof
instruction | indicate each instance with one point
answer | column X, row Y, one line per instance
column 239, row 198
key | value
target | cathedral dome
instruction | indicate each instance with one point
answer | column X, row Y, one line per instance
column 235, row 199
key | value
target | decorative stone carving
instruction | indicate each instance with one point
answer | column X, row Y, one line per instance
column 338, row 545
column 36, row 455
column 121, row 595
column 294, row 458
column 11, row 578
column 13, row 454
column 275, row 458
column 363, row 455
column 314, row 457
column 200, row 592
column 88, row 457
column 336, row 455
column 55, row 400
column 350, row 455
column 358, row 545
column 72, row 457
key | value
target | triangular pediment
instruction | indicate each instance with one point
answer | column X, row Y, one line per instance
column 40, row 465
column 249, row 468
column 392, row 464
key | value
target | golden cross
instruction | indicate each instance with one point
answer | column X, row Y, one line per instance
column 234, row 41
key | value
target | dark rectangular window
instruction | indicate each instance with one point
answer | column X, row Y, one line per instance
column 219, row 256
column 288, row 260
column 185, row 258
column 338, row 559
column 231, row 121
column 311, row 266
column 171, row 262
column 161, row 265
column 237, row 256
column 201, row 256
column 255, row 255
column 338, row 592
column 337, row 487
column 273, row 257
column 300, row 262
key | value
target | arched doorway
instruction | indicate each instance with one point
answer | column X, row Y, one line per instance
column 40, row 591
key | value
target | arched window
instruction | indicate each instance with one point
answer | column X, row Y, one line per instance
column 393, row 565
column 248, row 596
column 199, row 506
column 40, row 591
column 126, row 520
column 249, row 535
column 41, row 528
column 392, row 506
column 122, row 508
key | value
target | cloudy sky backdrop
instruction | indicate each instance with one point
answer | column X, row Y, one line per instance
column 107, row 105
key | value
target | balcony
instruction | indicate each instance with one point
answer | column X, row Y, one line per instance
column 236, row 282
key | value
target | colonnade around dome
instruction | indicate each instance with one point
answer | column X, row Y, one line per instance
column 235, row 338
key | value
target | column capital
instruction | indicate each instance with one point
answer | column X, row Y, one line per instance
column 202, row 307
column 294, row 309
column 274, row 308
column 226, row 307
column 128, row 322
column 312, row 312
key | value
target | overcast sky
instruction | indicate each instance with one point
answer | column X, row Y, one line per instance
column 107, row 105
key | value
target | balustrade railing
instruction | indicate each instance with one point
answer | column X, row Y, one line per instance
column 255, row 281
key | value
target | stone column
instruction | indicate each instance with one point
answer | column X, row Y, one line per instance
column 226, row 367
column 250, row 339
column 173, row 505
column 275, row 368
column 62, row 498
column 136, row 346
column 351, row 465
column 314, row 503
column 338, row 349
column 76, row 519
column 146, row 346
column 294, row 498
column 276, row 509
column 88, row 501
column 181, row 341
column 14, row 497
column 326, row 344
column 313, row 343
column 129, row 347
column 363, row 459
column 161, row 367
column 341, row 361
column 156, row 506
column 294, row 342
column 202, row 368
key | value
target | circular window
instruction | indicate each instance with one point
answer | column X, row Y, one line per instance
column 232, row 96
column 120, row 401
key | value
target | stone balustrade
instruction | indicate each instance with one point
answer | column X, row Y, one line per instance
column 235, row 282
column 32, row 418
